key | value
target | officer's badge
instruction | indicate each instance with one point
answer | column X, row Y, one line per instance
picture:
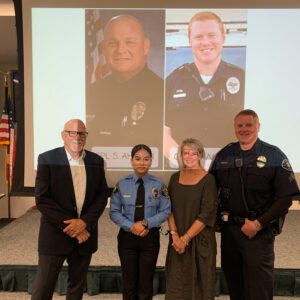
column 116, row 189
column 154, row 192
column 205, row 93
column 137, row 112
column 233, row 85
column 164, row 191
column 286, row 165
column 261, row 161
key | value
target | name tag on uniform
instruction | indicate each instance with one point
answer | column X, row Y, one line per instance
column 179, row 95
column 126, row 196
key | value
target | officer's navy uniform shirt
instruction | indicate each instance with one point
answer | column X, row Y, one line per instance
column 120, row 113
column 267, row 177
column 209, row 107
column 123, row 199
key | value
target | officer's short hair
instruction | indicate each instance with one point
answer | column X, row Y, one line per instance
column 247, row 112
column 194, row 143
column 205, row 16
column 123, row 17
column 139, row 147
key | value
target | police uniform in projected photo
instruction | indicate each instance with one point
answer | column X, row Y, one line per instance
column 127, row 105
column 202, row 97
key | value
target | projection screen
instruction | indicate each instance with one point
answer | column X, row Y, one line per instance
column 68, row 74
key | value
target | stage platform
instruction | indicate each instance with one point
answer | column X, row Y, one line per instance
column 18, row 258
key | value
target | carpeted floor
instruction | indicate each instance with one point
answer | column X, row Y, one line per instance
column 18, row 247
column 5, row 221
column 18, row 242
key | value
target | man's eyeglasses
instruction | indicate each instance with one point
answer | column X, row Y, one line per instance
column 82, row 134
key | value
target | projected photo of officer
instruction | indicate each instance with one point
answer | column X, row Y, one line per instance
column 125, row 89
column 205, row 86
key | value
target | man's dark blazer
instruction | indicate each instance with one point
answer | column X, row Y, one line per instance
column 55, row 199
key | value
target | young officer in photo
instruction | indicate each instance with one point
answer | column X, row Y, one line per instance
column 208, row 92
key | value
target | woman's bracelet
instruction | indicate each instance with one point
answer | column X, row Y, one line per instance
column 189, row 237
column 172, row 231
column 185, row 239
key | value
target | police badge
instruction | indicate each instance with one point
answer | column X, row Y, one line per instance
column 261, row 161
column 154, row 192
column 137, row 112
column 205, row 93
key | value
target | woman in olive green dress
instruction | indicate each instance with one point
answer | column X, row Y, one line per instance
column 191, row 257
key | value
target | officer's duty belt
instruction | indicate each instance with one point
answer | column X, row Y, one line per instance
column 236, row 220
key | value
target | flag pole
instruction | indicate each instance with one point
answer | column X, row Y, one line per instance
column 8, row 163
column 8, row 182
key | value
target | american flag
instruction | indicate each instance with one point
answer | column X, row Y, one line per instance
column 7, row 135
column 96, row 63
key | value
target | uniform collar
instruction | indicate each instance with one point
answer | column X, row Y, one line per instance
column 220, row 71
column 139, row 78
column 145, row 177
column 255, row 148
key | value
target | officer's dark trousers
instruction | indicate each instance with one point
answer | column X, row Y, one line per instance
column 138, row 258
column 48, row 271
column 248, row 264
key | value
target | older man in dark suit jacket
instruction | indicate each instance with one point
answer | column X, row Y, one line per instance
column 71, row 194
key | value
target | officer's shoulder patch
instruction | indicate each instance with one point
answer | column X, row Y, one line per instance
column 286, row 165
column 164, row 191
column 233, row 85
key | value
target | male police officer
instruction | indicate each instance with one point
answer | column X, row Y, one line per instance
column 128, row 103
column 208, row 92
column 256, row 185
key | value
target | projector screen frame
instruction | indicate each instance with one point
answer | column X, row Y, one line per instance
column 18, row 187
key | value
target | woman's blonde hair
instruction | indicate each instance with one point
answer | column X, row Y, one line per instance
column 194, row 143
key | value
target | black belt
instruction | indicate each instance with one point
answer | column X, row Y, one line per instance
column 236, row 220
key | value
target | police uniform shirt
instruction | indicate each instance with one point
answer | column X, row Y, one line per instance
column 267, row 177
column 123, row 113
column 123, row 198
column 201, row 110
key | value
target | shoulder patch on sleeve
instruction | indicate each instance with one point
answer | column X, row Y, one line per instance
column 164, row 191
column 286, row 165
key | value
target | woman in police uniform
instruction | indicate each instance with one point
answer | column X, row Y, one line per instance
column 139, row 205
